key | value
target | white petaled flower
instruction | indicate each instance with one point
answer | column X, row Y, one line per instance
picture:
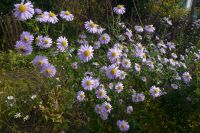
column 80, row 96
column 85, row 53
column 119, row 9
column 149, row 28
column 114, row 54
column 51, row 17
column 155, row 91
column 100, row 30
column 104, row 39
column 129, row 110
column 46, row 42
column 67, row 15
column 17, row 115
column 126, row 63
column 91, row 27
column 112, row 71
column 138, row 29
column 119, row 87
column 24, row 11
column 101, row 93
column 88, row 83
column 121, row 74
column 62, row 43
column 137, row 67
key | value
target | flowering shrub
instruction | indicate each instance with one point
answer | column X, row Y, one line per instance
column 115, row 73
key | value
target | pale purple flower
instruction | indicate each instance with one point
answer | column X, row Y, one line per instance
column 67, row 15
column 88, row 83
column 26, row 37
column 51, row 17
column 100, row 30
column 97, row 45
column 75, row 65
column 119, row 87
column 80, row 96
column 62, row 43
column 40, row 61
column 144, row 79
column 42, row 18
column 123, row 125
column 114, row 54
column 85, row 53
column 155, row 91
column 104, row 115
column 129, row 110
column 126, row 63
column 121, row 74
column 106, row 107
column 186, row 77
column 91, row 27
column 112, row 71
column 23, row 48
column 48, row 70
column 174, row 86
column 38, row 11
column 119, row 9
column 137, row 67
column 149, row 28
column 129, row 34
column 46, row 42
column 138, row 97
column 104, row 39
column 98, row 109
column 101, row 93
column 24, row 11
column 38, row 41
column 138, row 29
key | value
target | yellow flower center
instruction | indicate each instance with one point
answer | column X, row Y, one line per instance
column 120, row 6
column 48, row 71
column 22, row 8
column 114, row 71
column 114, row 54
column 101, row 93
column 123, row 126
column 51, row 14
column 67, row 13
column 41, row 15
column 92, row 24
column 64, row 43
column 156, row 90
column 89, row 83
column 107, row 107
column 40, row 63
column 46, row 41
column 126, row 62
column 104, row 37
column 82, row 95
column 21, row 48
column 86, row 53
column 26, row 38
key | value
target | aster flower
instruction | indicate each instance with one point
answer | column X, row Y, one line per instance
column 101, row 93
column 126, row 63
column 112, row 71
column 119, row 87
column 119, row 9
column 40, row 61
column 85, row 53
column 104, row 39
column 24, row 11
column 38, row 40
column 23, row 48
column 66, row 15
column 138, row 29
column 42, row 18
column 48, row 70
column 106, row 107
column 155, row 91
column 46, row 42
column 26, row 37
column 91, row 26
column 80, row 96
column 114, row 54
column 97, row 45
column 123, row 125
column 121, row 74
column 38, row 11
column 149, row 28
column 75, row 65
column 129, row 110
column 100, row 29
column 62, row 43
column 51, row 17
column 186, row 77
column 88, row 83
column 104, row 115
column 138, row 97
